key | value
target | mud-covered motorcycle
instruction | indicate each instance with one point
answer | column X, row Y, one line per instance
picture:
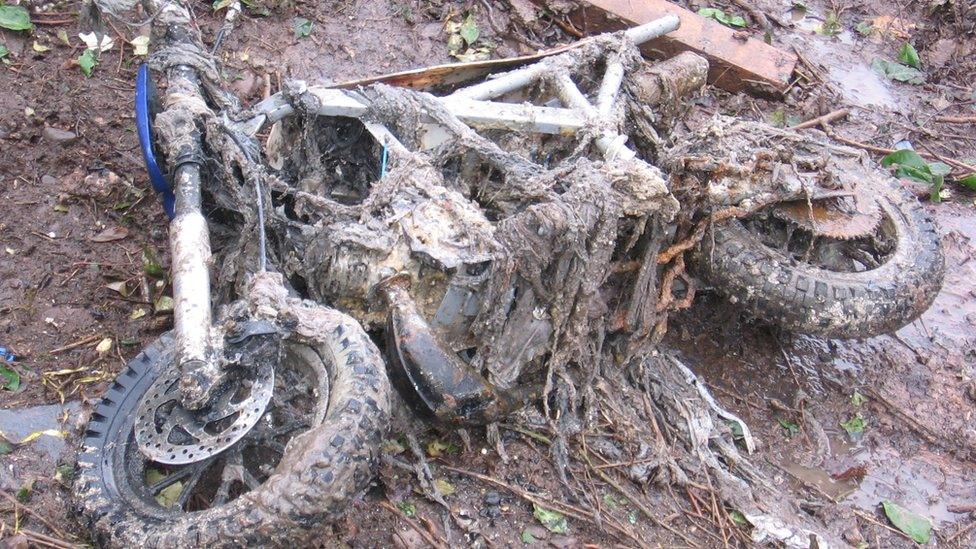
column 484, row 235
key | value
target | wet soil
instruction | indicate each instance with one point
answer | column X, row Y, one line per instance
column 918, row 444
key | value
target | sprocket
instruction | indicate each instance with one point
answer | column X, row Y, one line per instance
column 841, row 217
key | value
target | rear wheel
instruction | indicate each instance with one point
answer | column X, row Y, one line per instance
column 298, row 467
column 838, row 287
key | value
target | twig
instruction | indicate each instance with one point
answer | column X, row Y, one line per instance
column 882, row 150
column 413, row 524
column 961, row 531
column 76, row 344
column 956, row 119
column 43, row 540
column 635, row 500
column 562, row 507
column 829, row 117
column 32, row 513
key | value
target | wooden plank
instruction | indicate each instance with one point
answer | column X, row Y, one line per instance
column 737, row 62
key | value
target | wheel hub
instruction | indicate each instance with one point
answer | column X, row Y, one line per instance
column 169, row 433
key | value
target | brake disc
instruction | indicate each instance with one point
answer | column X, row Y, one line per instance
column 840, row 218
column 169, row 433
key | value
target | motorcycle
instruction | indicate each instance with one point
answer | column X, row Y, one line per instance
column 487, row 234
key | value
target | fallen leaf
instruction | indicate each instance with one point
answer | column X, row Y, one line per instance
column 104, row 346
column 897, row 71
column 722, row 17
column 87, row 61
column 40, row 48
column 444, row 487
column 969, row 181
column 38, row 434
column 137, row 314
column 408, row 508
column 140, row 45
column 92, row 41
column 119, row 287
column 63, row 474
column 302, row 27
column 163, row 304
column 916, row 526
column 469, row 29
column 854, row 426
column 887, row 25
column 110, row 234
column 9, row 378
column 15, row 18
column 554, row 521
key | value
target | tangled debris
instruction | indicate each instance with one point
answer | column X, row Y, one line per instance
column 562, row 252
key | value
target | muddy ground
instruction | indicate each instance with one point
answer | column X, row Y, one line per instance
column 71, row 232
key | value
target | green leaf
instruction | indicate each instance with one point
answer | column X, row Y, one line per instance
column 917, row 527
column 722, row 17
column 790, row 427
column 831, row 25
column 864, row 28
column 469, row 29
column 909, row 56
column 408, row 508
column 854, row 426
column 444, row 487
column 87, row 62
column 632, row 517
column 302, row 27
column 9, row 379
column 4, row 52
column 553, row 521
column 969, row 181
column 857, row 399
column 897, row 71
column 736, row 428
column 935, row 195
column 63, row 474
column 527, row 537
column 221, row 4
column 938, row 168
column 15, row 18
column 738, row 518
column 5, row 446
column 24, row 494
column 909, row 165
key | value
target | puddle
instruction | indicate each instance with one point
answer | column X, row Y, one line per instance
column 924, row 483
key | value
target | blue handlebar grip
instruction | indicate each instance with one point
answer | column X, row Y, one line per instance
column 144, row 129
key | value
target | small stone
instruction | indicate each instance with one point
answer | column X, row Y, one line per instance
column 57, row 135
column 493, row 498
column 537, row 532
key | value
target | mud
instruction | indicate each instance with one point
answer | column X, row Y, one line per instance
column 917, row 447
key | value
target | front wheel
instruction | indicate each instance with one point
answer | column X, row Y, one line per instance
column 834, row 285
column 310, row 453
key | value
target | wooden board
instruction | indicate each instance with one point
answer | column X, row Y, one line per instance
column 737, row 62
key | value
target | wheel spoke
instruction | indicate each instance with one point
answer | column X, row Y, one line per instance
column 190, row 484
column 167, row 481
